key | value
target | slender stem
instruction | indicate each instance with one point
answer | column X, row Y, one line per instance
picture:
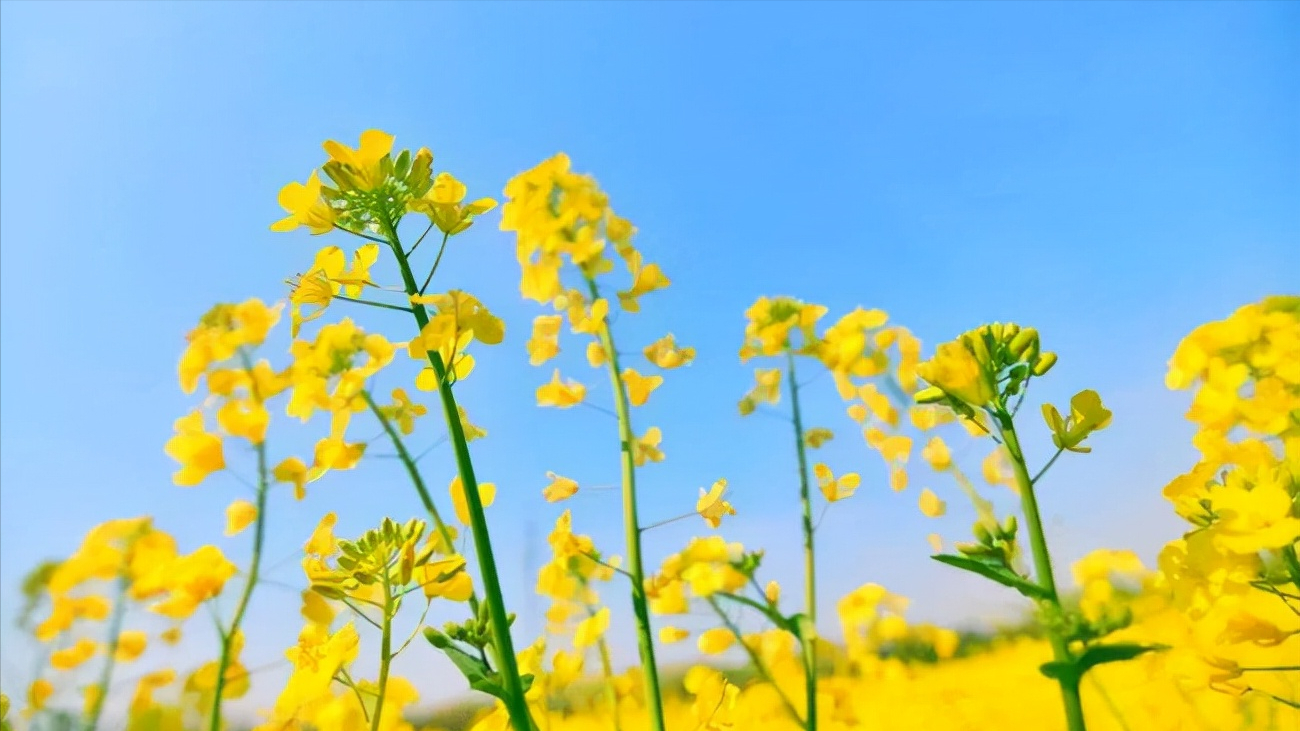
column 363, row 235
column 1271, row 669
column 1110, row 703
column 808, row 645
column 419, row 241
column 444, row 532
column 503, row 646
column 1034, row 480
column 228, row 636
column 631, row 523
column 114, row 637
column 1043, row 570
column 385, row 655
column 662, row 523
column 607, row 669
column 1292, row 563
column 757, row 661
column 372, row 303
column 436, row 261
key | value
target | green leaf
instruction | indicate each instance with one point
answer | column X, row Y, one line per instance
column 997, row 572
column 1095, row 655
column 479, row 675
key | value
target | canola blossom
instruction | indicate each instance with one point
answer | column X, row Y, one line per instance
column 1206, row 638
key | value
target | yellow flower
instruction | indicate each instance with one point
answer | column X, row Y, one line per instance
column 1086, row 416
column 669, row 635
column 711, row 506
column 956, row 370
column 130, row 645
column 487, row 493
column 817, row 436
column 596, row 354
column 364, row 165
column 404, row 411
column 835, row 489
column 472, row 431
column 561, row 488
column 239, row 515
column 561, row 394
column 591, row 629
column 715, row 641
column 997, row 469
column 664, row 353
column 198, row 451
column 322, row 542
column 292, row 470
column 448, row 579
column 71, row 657
column 639, row 387
column 37, row 694
column 647, row 449
column 937, row 454
column 772, row 592
column 545, row 342
column 645, row 279
column 931, row 505
column 306, row 207
column 244, row 418
column 443, row 205
column 316, row 609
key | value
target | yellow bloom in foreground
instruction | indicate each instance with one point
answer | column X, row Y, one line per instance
column 936, row 453
column 1087, row 414
column 443, row 205
column 91, row 697
column 711, row 506
column 716, row 640
column 596, row 354
column 239, row 515
column 817, row 436
column 561, row 488
column 37, row 694
column 294, row 471
column 669, row 635
column 364, row 163
column 931, row 505
column 665, row 353
column 487, row 492
column 198, row 451
column 561, row 394
column 448, row 579
column 305, row 207
column 647, row 449
column 591, row 629
column 130, row 645
column 545, row 342
column 639, row 387
column 70, row 657
column 835, row 489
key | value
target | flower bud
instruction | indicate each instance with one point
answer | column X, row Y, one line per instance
column 1021, row 342
column 772, row 592
column 1043, row 363
column 1009, row 331
column 983, row 534
column 1009, row 526
column 436, row 638
column 930, row 395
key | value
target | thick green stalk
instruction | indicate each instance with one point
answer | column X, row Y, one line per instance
column 385, row 656
column 254, row 569
column 631, row 524
column 404, row 455
column 1043, row 570
column 502, row 644
column 114, row 637
column 808, row 645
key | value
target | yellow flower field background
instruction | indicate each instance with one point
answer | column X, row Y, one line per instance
column 1208, row 637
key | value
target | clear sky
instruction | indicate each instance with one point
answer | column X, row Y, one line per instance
column 1113, row 174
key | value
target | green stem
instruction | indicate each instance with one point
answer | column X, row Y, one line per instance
column 1043, row 571
column 228, row 636
column 756, row 661
column 1292, row 563
column 372, row 303
column 404, row 455
column 631, row 523
column 114, row 637
column 808, row 645
column 516, row 704
column 385, row 655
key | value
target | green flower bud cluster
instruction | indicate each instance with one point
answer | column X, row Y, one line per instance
column 997, row 542
column 983, row 367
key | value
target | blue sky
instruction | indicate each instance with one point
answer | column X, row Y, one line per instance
column 1113, row 174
